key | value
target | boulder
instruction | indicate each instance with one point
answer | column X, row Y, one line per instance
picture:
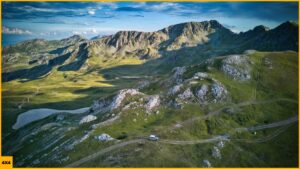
column 87, row 119
column 153, row 102
column 200, row 75
column 202, row 93
column 175, row 89
column 206, row 164
column 104, row 137
column 218, row 91
column 186, row 95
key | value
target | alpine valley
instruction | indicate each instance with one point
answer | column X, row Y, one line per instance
column 207, row 96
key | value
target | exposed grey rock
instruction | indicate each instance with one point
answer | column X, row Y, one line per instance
column 202, row 93
column 221, row 144
column 174, row 104
column 177, row 74
column 237, row 66
column 206, row 164
column 117, row 100
column 101, row 105
column 153, row 102
column 104, row 137
column 175, row 89
column 87, row 119
column 187, row 94
column 104, row 105
column 200, row 75
column 218, row 91
column 216, row 153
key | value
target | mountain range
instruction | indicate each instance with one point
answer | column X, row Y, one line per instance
column 191, row 39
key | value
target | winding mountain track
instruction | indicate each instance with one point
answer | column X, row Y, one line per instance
column 190, row 142
column 105, row 150
column 272, row 125
column 242, row 104
column 267, row 138
column 284, row 123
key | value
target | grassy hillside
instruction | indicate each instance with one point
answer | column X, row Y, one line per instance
column 269, row 96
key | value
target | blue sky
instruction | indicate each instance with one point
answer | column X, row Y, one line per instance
column 56, row 20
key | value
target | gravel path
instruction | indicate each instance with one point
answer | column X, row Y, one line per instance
column 286, row 122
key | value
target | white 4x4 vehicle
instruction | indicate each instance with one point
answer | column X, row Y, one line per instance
column 153, row 137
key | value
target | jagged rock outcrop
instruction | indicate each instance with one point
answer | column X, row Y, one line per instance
column 177, row 74
column 87, row 119
column 202, row 93
column 117, row 100
column 237, row 66
column 152, row 103
column 218, row 91
column 186, row 95
column 175, row 89
column 106, row 104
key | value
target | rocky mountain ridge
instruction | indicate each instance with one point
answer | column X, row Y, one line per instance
column 191, row 39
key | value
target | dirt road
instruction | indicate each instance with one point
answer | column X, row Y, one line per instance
column 189, row 142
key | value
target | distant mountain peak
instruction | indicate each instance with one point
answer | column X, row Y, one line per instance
column 73, row 39
column 76, row 37
column 260, row 28
column 288, row 24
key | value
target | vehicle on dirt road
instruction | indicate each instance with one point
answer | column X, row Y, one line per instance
column 153, row 137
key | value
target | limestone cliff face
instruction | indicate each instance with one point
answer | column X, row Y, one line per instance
column 146, row 45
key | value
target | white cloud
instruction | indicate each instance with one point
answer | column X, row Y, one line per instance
column 85, row 32
column 91, row 11
column 111, row 5
column 164, row 6
column 34, row 9
column 15, row 31
column 94, row 30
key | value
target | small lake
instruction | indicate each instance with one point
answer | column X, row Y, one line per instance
column 38, row 114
